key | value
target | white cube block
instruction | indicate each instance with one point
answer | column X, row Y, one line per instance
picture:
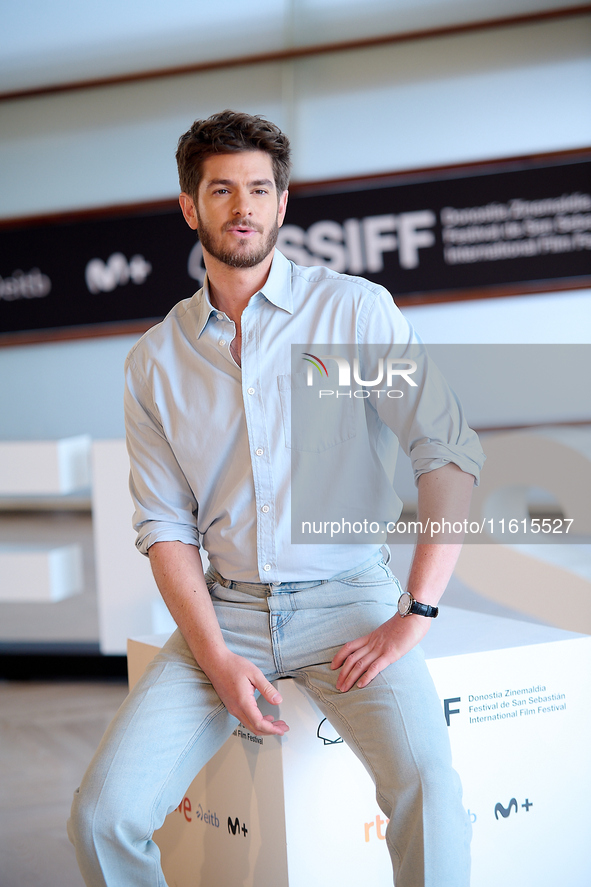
column 141, row 651
column 40, row 573
column 44, row 468
column 129, row 602
column 300, row 810
column 126, row 590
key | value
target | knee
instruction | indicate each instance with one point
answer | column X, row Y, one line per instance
column 91, row 821
column 82, row 820
column 427, row 781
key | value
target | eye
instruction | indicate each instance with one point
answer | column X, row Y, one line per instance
column 221, row 191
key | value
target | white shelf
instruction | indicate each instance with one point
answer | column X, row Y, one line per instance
column 37, row 468
column 31, row 573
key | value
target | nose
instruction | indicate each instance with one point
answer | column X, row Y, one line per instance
column 241, row 204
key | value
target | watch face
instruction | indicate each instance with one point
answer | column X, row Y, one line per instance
column 404, row 603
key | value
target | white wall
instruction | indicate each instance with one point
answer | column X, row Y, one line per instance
column 59, row 389
column 468, row 97
column 494, row 93
column 64, row 41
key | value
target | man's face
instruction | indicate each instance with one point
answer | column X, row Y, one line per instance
column 238, row 211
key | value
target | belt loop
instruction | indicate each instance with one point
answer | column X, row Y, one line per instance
column 218, row 577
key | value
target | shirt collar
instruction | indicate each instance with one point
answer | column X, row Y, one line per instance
column 205, row 308
column 276, row 289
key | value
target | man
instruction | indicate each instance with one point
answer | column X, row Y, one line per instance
column 211, row 455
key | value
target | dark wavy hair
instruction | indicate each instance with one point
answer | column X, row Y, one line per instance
column 226, row 133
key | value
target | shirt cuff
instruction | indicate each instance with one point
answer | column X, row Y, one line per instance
column 156, row 531
column 434, row 454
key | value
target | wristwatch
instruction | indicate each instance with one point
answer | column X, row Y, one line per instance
column 407, row 604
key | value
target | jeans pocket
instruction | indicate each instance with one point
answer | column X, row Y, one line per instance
column 376, row 574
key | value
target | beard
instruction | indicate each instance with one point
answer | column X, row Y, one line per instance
column 242, row 255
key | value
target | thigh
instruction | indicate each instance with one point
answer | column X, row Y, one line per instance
column 167, row 729
column 395, row 725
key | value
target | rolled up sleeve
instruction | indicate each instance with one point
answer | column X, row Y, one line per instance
column 165, row 506
column 428, row 419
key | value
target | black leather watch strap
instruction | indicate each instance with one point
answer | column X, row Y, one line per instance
column 424, row 609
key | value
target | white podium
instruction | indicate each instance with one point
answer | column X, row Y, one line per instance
column 300, row 811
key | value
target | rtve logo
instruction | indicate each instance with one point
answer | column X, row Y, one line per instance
column 358, row 245
column 379, row 830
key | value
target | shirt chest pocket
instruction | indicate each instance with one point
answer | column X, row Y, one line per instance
column 314, row 419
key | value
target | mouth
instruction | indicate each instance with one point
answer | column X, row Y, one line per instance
column 243, row 230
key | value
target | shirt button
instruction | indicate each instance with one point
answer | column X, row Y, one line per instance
column 220, row 316
column 265, row 509
column 221, row 343
column 259, row 451
column 250, row 390
column 267, row 567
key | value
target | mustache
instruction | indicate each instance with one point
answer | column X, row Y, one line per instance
column 243, row 223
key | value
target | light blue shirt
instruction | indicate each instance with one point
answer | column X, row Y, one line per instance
column 210, row 442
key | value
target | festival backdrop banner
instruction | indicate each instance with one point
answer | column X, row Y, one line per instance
column 506, row 227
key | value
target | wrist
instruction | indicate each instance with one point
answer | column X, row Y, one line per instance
column 209, row 652
column 409, row 605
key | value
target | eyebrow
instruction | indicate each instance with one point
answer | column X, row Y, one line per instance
column 254, row 184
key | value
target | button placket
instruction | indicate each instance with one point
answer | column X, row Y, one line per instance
column 259, row 440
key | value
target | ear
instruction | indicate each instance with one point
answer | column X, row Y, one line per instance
column 189, row 211
column 282, row 208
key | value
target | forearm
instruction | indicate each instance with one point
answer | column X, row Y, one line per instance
column 178, row 572
column 179, row 575
column 444, row 495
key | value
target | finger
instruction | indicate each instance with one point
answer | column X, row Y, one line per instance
column 262, row 726
column 267, row 727
column 353, row 671
column 351, row 663
column 267, row 690
column 278, row 723
column 346, row 650
column 371, row 672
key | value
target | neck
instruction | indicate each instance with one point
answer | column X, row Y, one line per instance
column 231, row 289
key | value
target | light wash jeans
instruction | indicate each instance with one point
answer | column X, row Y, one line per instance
column 173, row 722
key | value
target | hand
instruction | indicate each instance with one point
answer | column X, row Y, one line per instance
column 364, row 658
column 235, row 680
